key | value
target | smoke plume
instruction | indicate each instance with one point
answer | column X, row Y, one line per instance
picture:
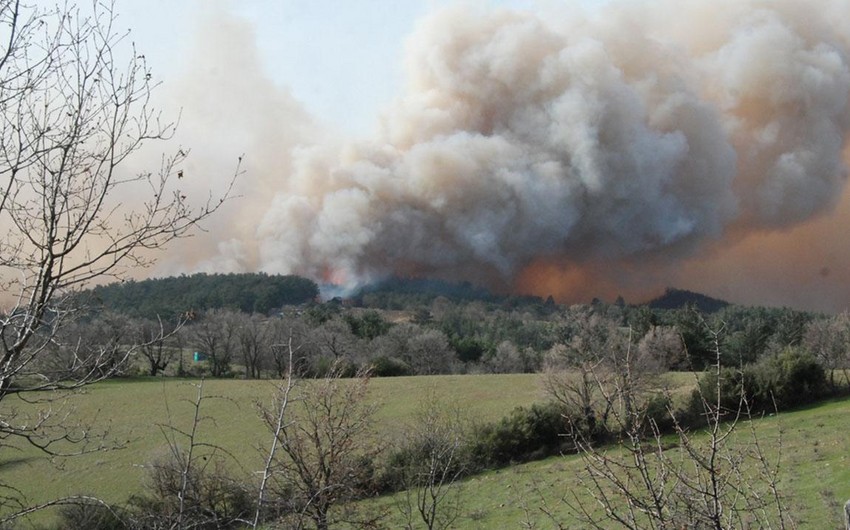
column 573, row 153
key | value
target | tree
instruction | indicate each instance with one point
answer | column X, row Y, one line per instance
column 662, row 346
column 70, row 117
column 324, row 453
column 574, row 368
column 252, row 337
column 285, row 333
column 693, row 330
column 74, row 108
column 152, row 337
column 87, row 349
column 190, row 487
column 703, row 481
column 429, row 353
column 828, row 339
column 430, row 462
column 214, row 335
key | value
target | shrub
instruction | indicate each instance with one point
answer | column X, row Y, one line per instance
column 212, row 499
column 789, row 379
column 526, row 434
column 792, row 378
column 656, row 411
column 389, row 367
column 92, row 516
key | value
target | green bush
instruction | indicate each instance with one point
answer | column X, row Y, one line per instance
column 656, row 411
column 789, row 379
column 792, row 378
column 390, row 367
column 526, row 434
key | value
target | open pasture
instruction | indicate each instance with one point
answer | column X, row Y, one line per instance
column 136, row 415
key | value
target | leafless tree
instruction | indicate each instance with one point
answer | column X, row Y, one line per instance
column 190, row 487
column 214, row 334
column 432, row 460
column 429, row 353
column 334, row 340
column 275, row 418
column 252, row 335
column 281, row 331
column 579, row 366
column 90, row 348
column 711, row 476
column 662, row 347
column 325, row 453
column 154, row 337
column 74, row 108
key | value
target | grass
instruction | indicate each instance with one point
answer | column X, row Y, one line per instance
column 815, row 448
column 814, row 477
column 135, row 412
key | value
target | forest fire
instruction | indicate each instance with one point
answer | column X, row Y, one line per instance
column 606, row 152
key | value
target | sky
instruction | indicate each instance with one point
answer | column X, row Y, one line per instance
column 307, row 46
column 579, row 149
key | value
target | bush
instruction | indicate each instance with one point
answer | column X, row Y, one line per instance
column 526, row 434
column 213, row 500
column 779, row 382
column 657, row 411
column 324, row 365
column 92, row 516
column 389, row 367
column 792, row 378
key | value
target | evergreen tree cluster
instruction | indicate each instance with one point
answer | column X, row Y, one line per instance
column 169, row 297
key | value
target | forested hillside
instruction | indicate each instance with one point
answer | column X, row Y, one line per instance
column 167, row 297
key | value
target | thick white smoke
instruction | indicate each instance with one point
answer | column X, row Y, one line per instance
column 633, row 132
column 534, row 150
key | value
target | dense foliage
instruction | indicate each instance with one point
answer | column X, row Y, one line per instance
column 680, row 298
column 168, row 297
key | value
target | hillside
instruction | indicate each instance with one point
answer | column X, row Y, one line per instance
column 680, row 298
column 167, row 297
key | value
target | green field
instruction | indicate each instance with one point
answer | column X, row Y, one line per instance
column 815, row 470
column 135, row 412
column 814, row 476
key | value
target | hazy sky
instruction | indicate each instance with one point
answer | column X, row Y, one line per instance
column 342, row 59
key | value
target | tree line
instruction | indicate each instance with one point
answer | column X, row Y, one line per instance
column 171, row 297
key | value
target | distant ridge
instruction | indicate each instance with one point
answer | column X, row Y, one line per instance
column 679, row 298
column 175, row 295
column 397, row 292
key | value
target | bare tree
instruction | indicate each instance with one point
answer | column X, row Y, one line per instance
column 153, row 339
column 190, row 487
column 282, row 333
column 429, row 353
column 252, row 339
column 711, row 477
column 275, row 418
column 432, row 459
column 325, row 453
column 335, row 340
column 214, row 334
column 578, row 367
column 92, row 348
column 74, row 108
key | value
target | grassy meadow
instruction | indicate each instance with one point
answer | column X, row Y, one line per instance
column 814, row 475
column 136, row 412
column 815, row 468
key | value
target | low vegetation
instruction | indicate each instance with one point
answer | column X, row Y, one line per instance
column 599, row 375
